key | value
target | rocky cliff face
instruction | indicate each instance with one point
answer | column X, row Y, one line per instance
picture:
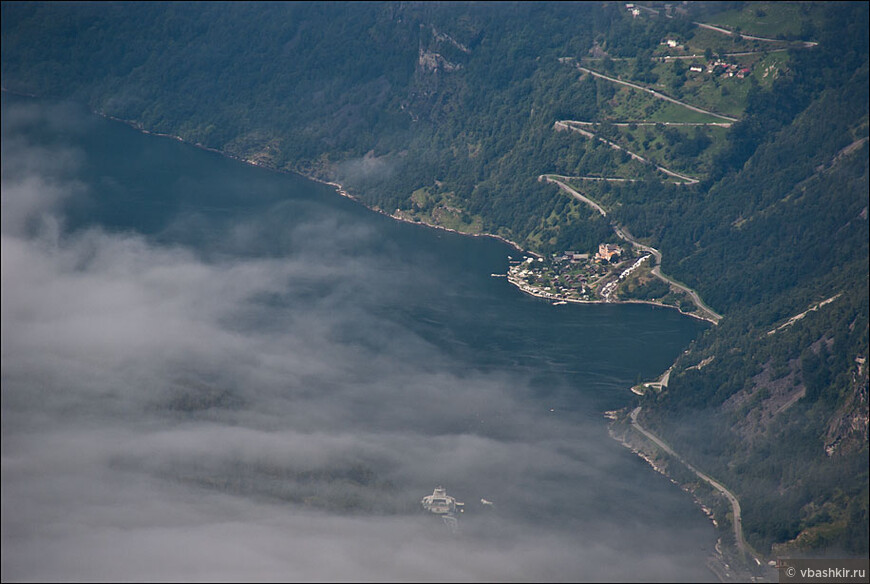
column 439, row 56
column 847, row 430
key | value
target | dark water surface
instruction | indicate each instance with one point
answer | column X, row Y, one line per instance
column 215, row 371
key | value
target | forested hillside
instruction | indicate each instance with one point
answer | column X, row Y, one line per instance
column 446, row 114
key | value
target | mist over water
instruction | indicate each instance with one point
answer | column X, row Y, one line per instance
column 212, row 371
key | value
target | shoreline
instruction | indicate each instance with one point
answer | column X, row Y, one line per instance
column 623, row 234
column 339, row 188
column 716, row 561
column 554, row 298
column 512, row 244
column 731, row 560
column 342, row 191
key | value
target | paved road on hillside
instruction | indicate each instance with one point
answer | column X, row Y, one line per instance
column 740, row 54
column 689, row 57
column 806, row 44
column 554, row 179
column 729, row 32
column 735, row 504
column 657, row 94
column 625, row 124
column 565, row 126
column 715, row 317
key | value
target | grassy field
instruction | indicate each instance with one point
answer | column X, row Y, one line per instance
column 769, row 19
column 437, row 208
column 691, row 150
column 671, row 112
column 724, row 95
column 631, row 105
column 684, row 149
column 721, row 43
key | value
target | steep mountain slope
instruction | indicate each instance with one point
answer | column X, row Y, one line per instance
column 774, row 402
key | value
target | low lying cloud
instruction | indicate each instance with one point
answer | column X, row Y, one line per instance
column 169, row 415
column 366, row 169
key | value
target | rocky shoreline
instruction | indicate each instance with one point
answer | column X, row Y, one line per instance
column 725, row 561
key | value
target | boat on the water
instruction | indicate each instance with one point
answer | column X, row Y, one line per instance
column 440, row 503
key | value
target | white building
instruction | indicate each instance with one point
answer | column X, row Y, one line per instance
column 606, row 251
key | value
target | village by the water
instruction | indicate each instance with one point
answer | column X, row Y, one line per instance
column 615, row 273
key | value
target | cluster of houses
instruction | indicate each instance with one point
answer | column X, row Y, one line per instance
column 713, row 67
column 545, row 280
column 722, row 69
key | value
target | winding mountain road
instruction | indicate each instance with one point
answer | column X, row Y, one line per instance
column 576, row 126
column 714, row 316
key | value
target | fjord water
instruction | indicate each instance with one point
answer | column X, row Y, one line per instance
column 211, row 370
